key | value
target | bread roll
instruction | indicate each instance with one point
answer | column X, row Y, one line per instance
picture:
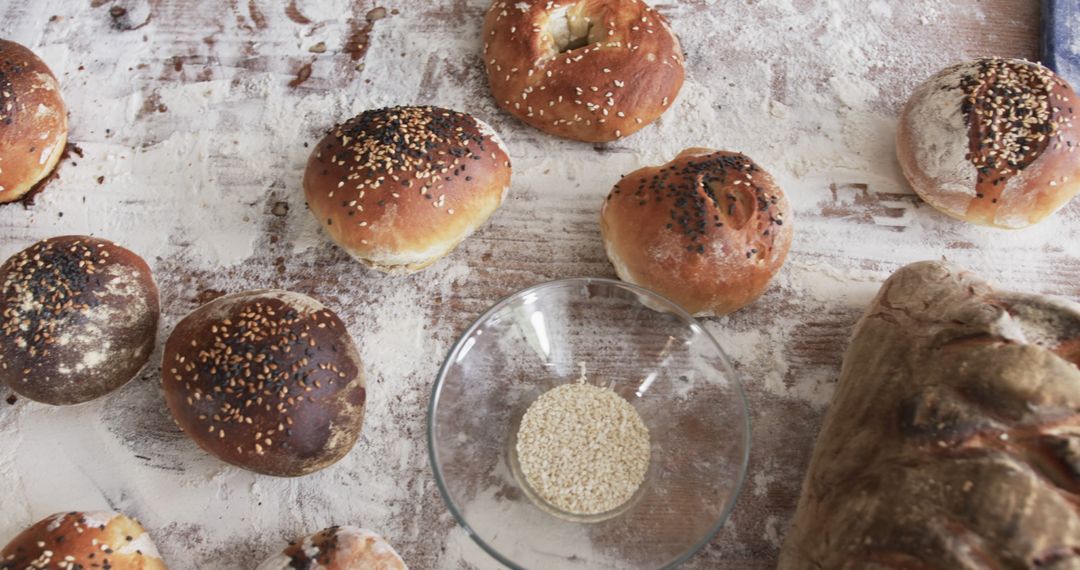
column 83, row 541
column 992, row 142
column 266, row 380
column 708, row 230
column 79, row 320
column 33, row 121
column 337, row 548
column 953, row 438
column 589, row 70
column 399, row 188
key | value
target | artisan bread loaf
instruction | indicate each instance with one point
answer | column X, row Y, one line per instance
column 953, row 439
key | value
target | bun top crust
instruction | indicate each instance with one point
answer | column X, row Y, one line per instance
column 33, row 121
column 83, row 540
column 337, row 548
column 991, row 141
column 399, row 186
column 627, row 71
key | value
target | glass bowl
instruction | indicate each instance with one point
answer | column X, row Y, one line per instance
column 649, row 351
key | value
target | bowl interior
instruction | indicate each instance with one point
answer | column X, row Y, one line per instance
column 647, row 350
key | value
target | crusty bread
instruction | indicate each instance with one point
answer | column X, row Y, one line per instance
column 77, row 540
column 399, row 188
column 78, row 319
column 33, row 121
column 590, row 70
column 708, row 230
column 953, row 439
column 266, row 380
column 337, row 548
column 992, row 142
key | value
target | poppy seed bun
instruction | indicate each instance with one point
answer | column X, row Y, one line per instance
column 992, row 142
column 337, row 548
column 266, row 380
column 33, row 121
column 589, row 70
column 78, row 319
column 399, row 188
column 708, row 230
column 76, row 540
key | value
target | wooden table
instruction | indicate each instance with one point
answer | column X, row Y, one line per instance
column 191, row 121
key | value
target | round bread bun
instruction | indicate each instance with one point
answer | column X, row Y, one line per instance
column 33, row 121
column 992, row 141
column 266, row 380
column 589, row 70
column 337, row 548
column 398, row 188
column 79, row 319
column 76, row 540
column 708, row 230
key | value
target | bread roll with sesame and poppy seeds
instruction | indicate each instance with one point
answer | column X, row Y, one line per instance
column 708, row 230
column 83, row 541
column 266, row 380
column 79, row 319
column 398, row 188
column 588, row 70
column 33, row 121
column 992, row 142
column 337, row 548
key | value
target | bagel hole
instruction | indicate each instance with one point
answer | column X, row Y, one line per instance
column 569, row 31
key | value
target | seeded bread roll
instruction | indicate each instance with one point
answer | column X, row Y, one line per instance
column 589, row 70
column 992, row 142
column 708, row 230
column 337, row 548
column 399, row 188
column 83, row 541
column 33, row 121
column 266, row 380
column 80, row 319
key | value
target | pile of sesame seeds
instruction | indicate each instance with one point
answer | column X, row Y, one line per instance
column 1014, row 115
column 705, row 193
column 583, row 449
column 405, row 149
column 258, row 364
column 45, row 286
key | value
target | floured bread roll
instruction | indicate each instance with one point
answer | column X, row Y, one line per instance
column 337, row 548
column 82, row 541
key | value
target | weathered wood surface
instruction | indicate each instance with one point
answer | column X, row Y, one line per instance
column 192, row 118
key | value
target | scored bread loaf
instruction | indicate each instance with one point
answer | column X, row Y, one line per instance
column 953, row 439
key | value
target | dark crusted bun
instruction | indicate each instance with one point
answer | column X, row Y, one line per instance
column 266, row 380
column 399, row 188
column 593, row 70
column 337, row 548
column 79, row 317
column 33, row 121
column 708, row 230
column 992, row 142
column 82, row 541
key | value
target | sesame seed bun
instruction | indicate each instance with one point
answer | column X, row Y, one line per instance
column 992, row 142
column 399, row 188
column 266, row 380
column 83, row 540
column 33, row 121
column 708, row 230
column 337, row 548
column 79, row 319
column 593, row 70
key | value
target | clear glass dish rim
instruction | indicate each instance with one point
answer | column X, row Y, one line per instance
column 501, row 303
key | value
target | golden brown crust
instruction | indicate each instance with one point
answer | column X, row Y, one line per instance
column 398, row 188
column 992, row 142
column 82, row 540
column 33, row 121
column 708, row 230
column 266, row 380
column 79, row 319
column 337, row 548
column 628, row 73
